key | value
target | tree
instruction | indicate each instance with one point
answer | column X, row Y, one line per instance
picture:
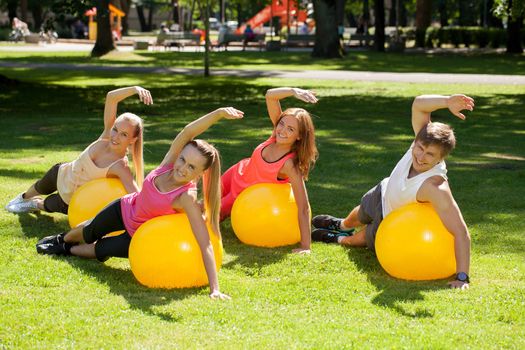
column 204, row 6
column 104, row 42
column 379, row 25
column 423, row 17
column 514, row 11
column 327, row 41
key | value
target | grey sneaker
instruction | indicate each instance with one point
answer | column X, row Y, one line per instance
column 23, row 207
column 18, row 199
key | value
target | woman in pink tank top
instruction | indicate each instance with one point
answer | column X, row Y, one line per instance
column 105, row 157
column 287, row 156
column 168, row 189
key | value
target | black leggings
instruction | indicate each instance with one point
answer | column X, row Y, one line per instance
column 48, row 185
column 106, row 221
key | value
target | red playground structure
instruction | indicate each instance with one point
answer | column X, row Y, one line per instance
column 285, row 9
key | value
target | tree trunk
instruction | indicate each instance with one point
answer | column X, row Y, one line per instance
column 423, row 13
column 514, row 35
column 175, row 9
column 327, row 43
column 36, row 11
column 467, row 13
column 205, row 12
column 151, row 8
column 142, row 18
column 104, row 43
column 190, row 24
column 23, row 10
column 392, row 15
column 379, row 36
column 12, row 6
column 443, row 15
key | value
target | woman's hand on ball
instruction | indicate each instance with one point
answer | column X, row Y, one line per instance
column 301, row 251
column 218, row 295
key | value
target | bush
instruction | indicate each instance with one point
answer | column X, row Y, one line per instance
column 4, row 34
column 467, row 36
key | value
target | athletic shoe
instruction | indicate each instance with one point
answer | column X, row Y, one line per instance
column 54, row 239
column 328, row 222
column 25, row 206
column 18, row 199
column 52, row 249
column 327, row 236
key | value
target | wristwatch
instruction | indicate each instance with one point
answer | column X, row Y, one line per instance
column 462, row 277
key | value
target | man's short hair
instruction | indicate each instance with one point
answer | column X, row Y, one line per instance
column 435, row 133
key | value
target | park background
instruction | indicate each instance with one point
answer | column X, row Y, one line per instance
column 51, row 105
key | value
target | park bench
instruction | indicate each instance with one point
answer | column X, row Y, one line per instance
column 178, row 39
column 300, row 40
column 258, row 40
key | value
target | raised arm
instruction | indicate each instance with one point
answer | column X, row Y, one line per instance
column 114, row 97
column 274, row 95
column 197, row 127
column 425, row 104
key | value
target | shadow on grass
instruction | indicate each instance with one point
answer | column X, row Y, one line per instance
column 122, row 282
column 249, row 259
column 397, row 295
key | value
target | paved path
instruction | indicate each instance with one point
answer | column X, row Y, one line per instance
column 434, row 78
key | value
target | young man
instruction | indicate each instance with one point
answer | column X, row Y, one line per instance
column 420, row 176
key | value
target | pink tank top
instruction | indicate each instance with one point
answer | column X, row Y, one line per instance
column 139, row 207
column 254, row 170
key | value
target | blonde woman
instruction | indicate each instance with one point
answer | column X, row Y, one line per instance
column 105, row 157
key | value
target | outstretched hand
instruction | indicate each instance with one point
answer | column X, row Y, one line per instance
column 230, row 113
column 218, row 295
column 144, row 95
column 301, row 251
column 305, row 95
column 457, row 103
column 458, row 285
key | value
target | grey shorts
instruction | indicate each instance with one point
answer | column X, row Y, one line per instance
column 371, row 213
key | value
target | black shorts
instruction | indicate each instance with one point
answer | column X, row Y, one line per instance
column 106, row 221
column 48, row 185
column 371, row 213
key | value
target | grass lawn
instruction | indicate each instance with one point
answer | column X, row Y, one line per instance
column 334, row 298
column 479, row 63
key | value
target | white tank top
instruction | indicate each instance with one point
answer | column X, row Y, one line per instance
column 76, row 173
column 398, row 190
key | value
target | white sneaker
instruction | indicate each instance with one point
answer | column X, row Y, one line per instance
column 25, row 206
column 18, row 199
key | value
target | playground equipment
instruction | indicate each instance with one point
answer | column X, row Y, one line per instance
column 285, row 9
column 115, row 19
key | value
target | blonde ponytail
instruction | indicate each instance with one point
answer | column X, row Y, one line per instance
column 211, row 186
column 137, row 150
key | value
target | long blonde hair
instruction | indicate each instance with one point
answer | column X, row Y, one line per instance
column 137, row 150
column 211, row 187
column 304, row 148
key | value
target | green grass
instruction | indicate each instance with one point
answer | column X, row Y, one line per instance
column 473, row 62
column 334, row 298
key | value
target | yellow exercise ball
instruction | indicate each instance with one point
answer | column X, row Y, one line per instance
column 90, row 198
column 265, row 215
column 164, row 253
column 413, row 244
